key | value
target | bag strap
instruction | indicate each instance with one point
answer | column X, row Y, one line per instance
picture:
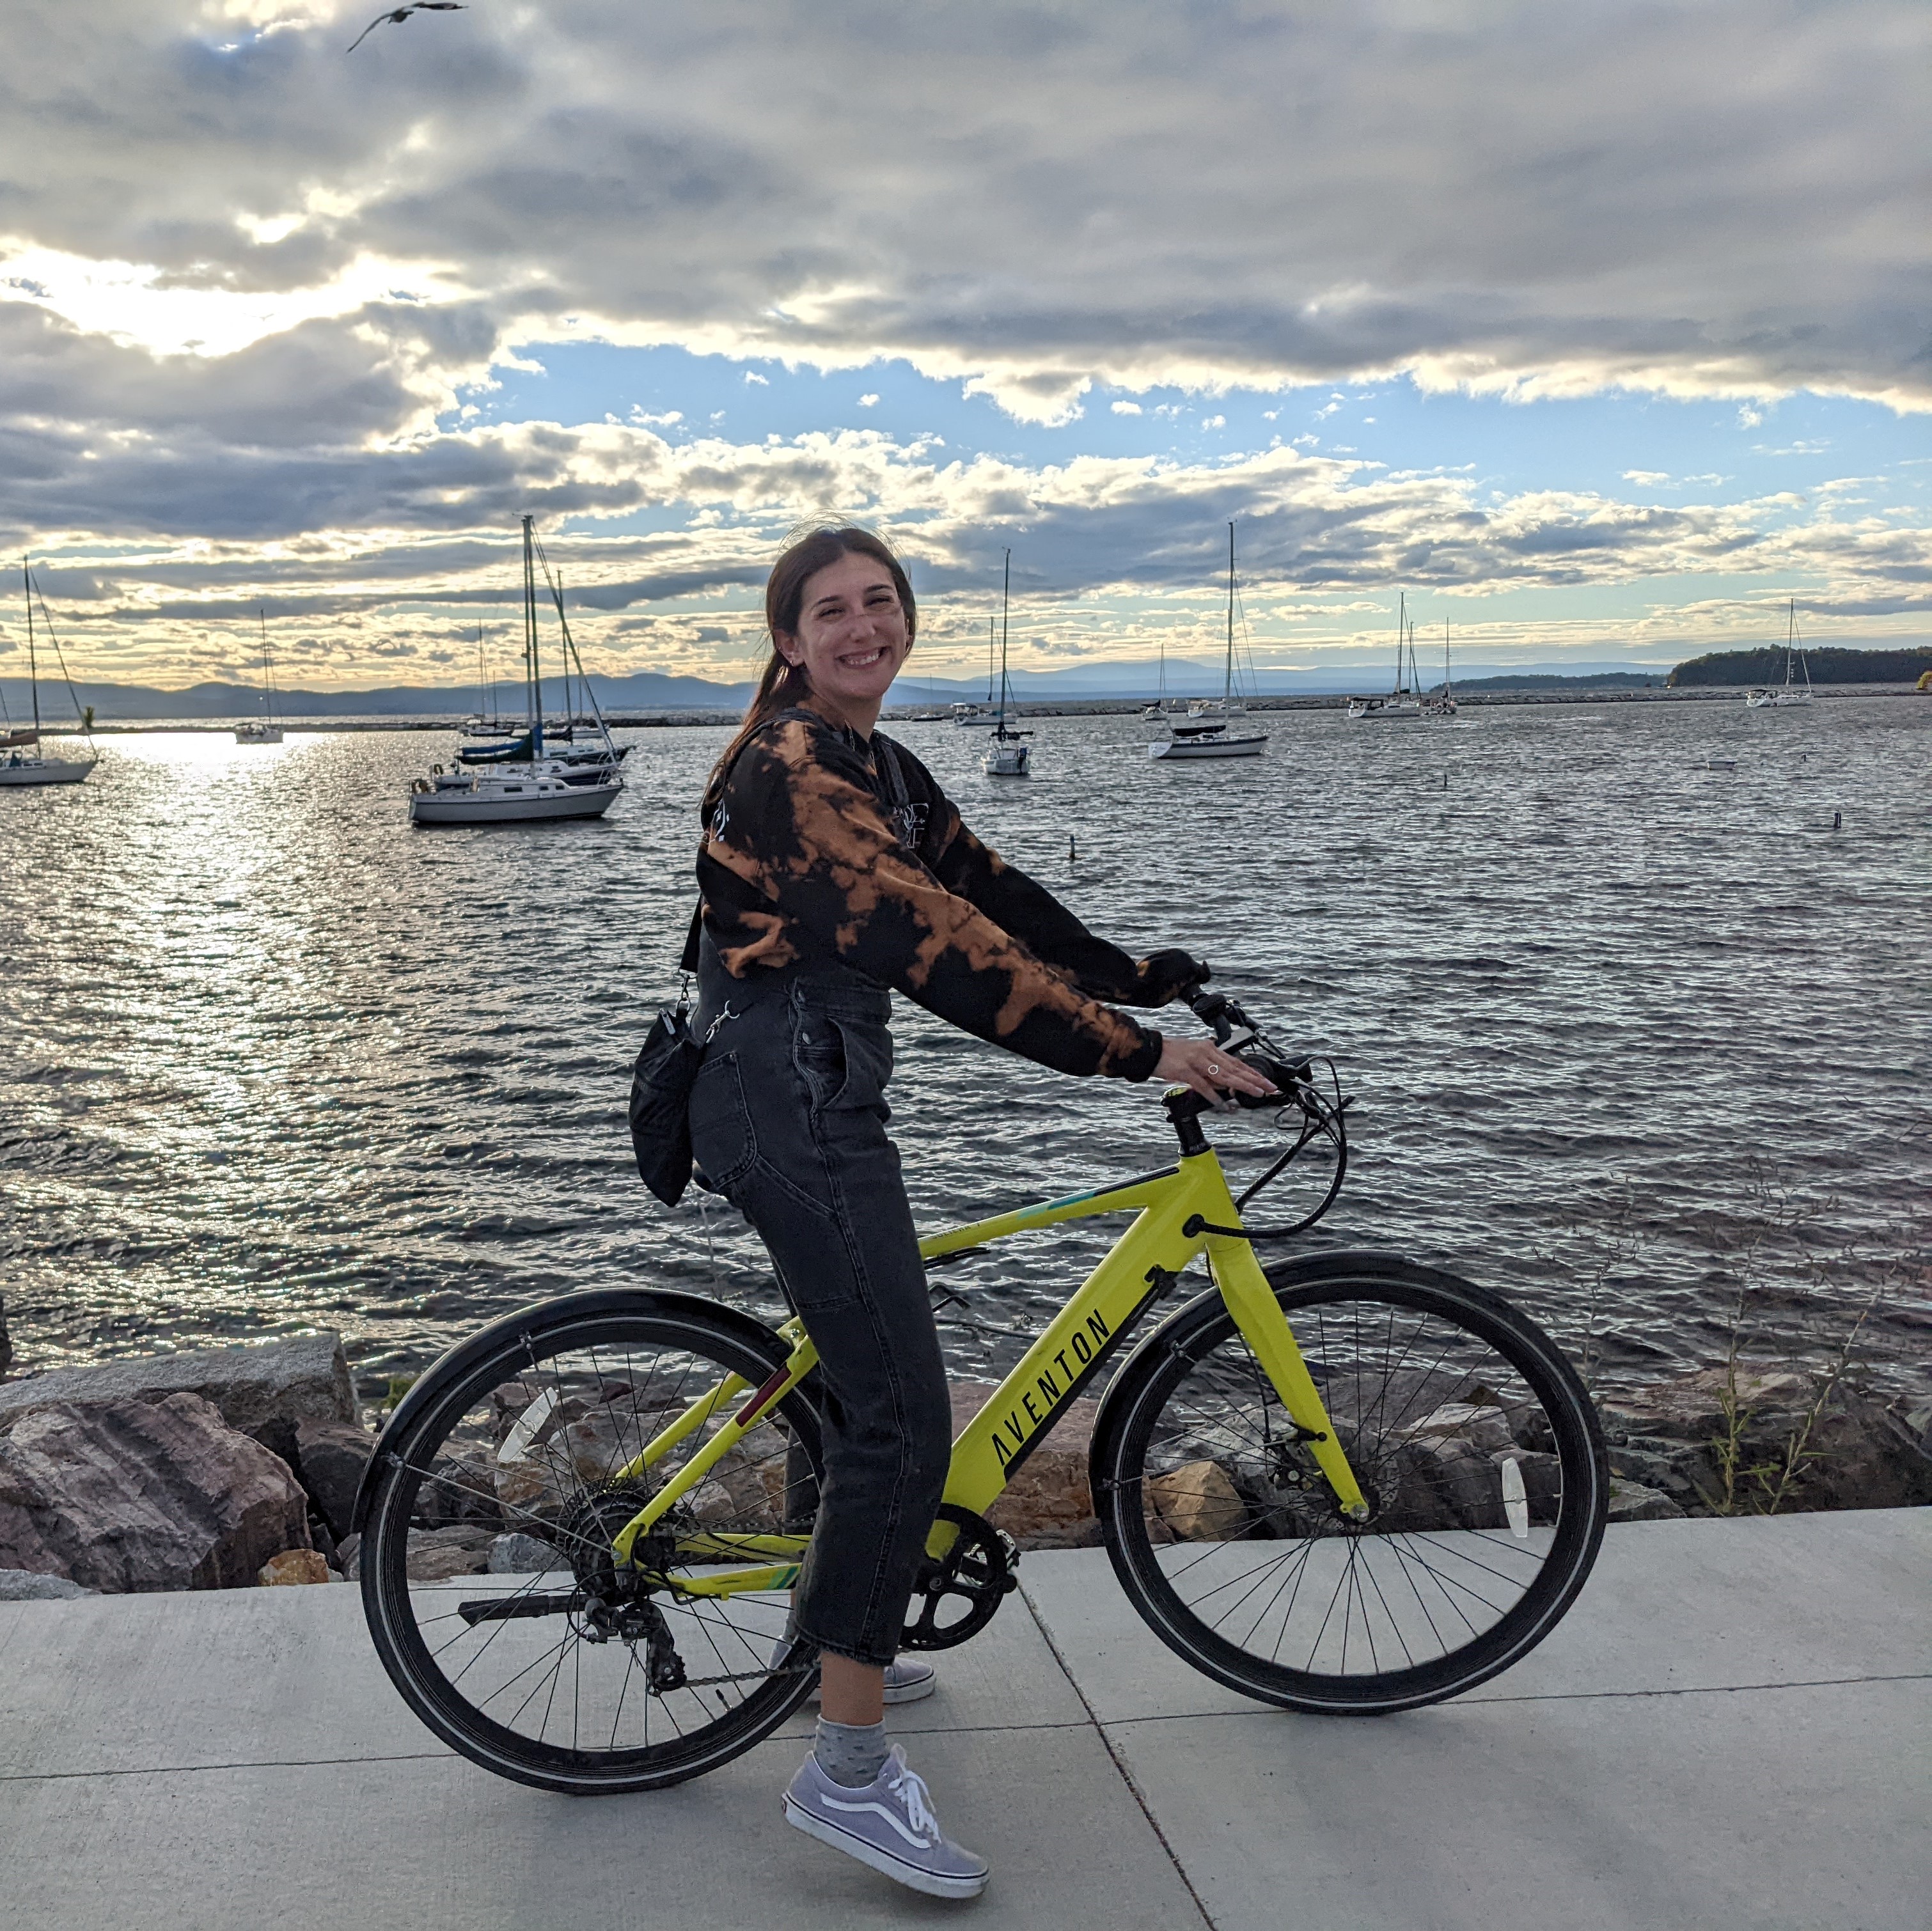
column 688, row 963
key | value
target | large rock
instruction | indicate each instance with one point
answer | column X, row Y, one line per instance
column 330, row 1459
column 1855, row 1451
column 29, row 1585
column 1049, row 1503
column 1690, row 1408
column 1632, row 1502
column 266, row 1390
column 134, row 1496
column 6, row 1342
column 435, row 1555
column 294, row 1567
column 1198, row 1502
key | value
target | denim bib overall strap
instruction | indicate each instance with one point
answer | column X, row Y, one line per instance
column 788, row 1118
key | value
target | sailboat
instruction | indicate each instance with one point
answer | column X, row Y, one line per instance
column 1157, row 710
column 1204, row 732
column 21, row 762
column 1403, row 705
column 1444, row 706
column 263, row 729
column 513, row 784
column 1006, row 755
column 981, row 717
column 1777, row 697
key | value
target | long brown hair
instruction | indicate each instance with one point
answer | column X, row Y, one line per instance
column 784, row 683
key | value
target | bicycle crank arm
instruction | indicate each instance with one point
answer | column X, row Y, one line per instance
column 514, row 1609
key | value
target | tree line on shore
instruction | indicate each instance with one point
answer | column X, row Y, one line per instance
column 1829, row 665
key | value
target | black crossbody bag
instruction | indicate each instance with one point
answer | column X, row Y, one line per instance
column 660, row 1082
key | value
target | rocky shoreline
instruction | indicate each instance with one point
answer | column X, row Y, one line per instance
column 238, row 1467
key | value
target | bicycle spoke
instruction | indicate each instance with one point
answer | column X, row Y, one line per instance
column 611, row 1671
column 1292, row 1593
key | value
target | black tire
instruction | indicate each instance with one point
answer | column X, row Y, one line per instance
column 555, row 1699
column 1231, row 1547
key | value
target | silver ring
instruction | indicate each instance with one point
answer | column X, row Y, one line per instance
column 1213, row 1066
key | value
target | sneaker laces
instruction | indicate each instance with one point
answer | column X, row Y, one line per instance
column 909, row 1787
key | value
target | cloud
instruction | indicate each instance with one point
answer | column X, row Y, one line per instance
column 869, row 400
column 1522, row 201
column 247, row 287
column 1102, row 534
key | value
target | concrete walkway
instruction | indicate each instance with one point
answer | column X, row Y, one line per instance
column 1730, row 1730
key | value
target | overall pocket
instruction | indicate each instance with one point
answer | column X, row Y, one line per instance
column 845, row 1063
column 720, row 1123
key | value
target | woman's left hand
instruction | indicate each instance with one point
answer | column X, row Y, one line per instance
column 1212, row 1072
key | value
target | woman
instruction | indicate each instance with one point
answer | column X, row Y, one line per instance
column 832, row 868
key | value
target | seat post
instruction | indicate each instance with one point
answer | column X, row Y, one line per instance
column 1184, row 1107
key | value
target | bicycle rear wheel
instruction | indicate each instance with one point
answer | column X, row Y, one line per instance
column 1475, row 1442
column 535, row 1657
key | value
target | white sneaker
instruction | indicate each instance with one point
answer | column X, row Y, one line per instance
column 887, row 1824
column 908, row 1679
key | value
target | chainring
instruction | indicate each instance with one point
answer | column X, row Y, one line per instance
column 977, row 1569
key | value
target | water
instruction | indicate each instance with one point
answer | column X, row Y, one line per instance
column 274, row 1060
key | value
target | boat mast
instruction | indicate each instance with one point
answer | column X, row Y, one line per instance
column 1005, row 597
column 33, row 668
column 267, row 693
column 1227, row 674
column 532, row 676
column 1447, row 692
column 1401, row 625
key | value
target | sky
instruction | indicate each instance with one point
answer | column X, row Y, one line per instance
column 1597, row 332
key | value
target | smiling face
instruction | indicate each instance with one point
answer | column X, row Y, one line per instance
column 852, row 637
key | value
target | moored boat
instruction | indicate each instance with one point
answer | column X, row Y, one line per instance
column 1785, row 695
column 263, row 729
column 22, row 762
column 1211, row 729
column 1007, row 755
column 1402, row 705
column 527, row 780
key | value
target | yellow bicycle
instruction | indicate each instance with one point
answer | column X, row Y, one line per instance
column 1345, row 1482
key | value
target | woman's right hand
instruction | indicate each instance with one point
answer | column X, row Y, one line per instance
column 1212, row 1072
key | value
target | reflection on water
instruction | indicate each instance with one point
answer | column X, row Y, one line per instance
column 273, row 1059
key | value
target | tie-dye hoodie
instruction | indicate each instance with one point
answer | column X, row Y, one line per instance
column 812, row 852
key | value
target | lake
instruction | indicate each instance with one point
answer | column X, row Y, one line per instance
column 1627, row 1030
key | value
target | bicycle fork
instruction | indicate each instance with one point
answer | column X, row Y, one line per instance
column 1265, row 1327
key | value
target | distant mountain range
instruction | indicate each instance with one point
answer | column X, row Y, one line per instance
column 653, row 692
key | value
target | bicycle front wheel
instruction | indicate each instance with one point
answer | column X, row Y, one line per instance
column 1474, row 1443
column 488, row 1571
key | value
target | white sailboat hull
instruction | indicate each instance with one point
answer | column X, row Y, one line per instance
column 497, row 802
column 46, row 771
column 1247, row 746
column 1380, row 711
column 1005, row 760
column 1776, row 700
column 258, row 733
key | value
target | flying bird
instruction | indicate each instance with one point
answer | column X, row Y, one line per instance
column 400, row 14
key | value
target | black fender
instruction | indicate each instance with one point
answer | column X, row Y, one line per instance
column 1330, row 1264
column 533, row 1322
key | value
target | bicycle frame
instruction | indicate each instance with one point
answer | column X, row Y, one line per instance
column 1172, row 1208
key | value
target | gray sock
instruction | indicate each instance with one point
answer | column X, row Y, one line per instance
column 851, row 1753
